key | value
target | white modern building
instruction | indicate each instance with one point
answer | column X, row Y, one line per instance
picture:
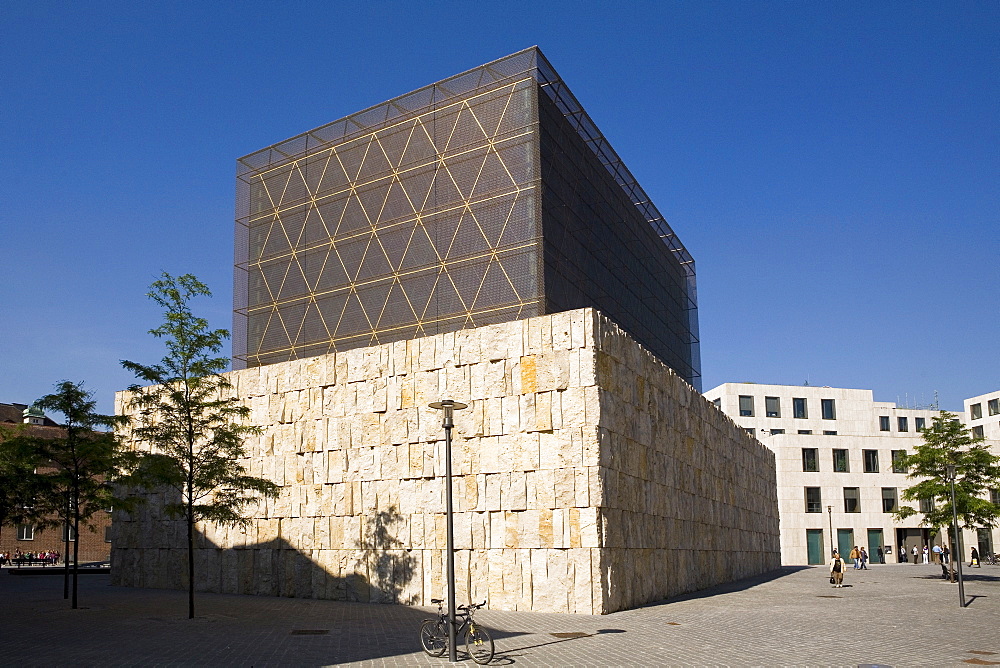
column 982, row 414
column 836, row 452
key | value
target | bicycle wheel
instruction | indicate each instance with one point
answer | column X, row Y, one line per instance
column 434, row 637
column 479, row 644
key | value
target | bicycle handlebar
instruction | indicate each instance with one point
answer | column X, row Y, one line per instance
column 473, row 606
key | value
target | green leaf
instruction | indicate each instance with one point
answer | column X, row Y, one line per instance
column 185, row 417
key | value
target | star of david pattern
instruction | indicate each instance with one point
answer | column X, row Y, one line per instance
column 427, row 225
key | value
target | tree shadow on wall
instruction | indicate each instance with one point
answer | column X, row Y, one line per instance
column 389, row 564
column 375, row 569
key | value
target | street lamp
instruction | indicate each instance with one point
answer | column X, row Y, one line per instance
column 449, row 406
column 956, row 554
column 829, row 512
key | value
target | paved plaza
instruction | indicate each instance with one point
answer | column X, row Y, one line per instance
column 891, row 615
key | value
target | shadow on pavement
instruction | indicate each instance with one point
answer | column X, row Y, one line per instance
column 507, row 656
column 732, row 587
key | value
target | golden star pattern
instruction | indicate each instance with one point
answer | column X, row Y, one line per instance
column 425, row 225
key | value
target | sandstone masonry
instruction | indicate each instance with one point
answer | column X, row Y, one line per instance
column 589, row 478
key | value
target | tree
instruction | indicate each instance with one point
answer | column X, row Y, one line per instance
column 949, row 443
column 79, row 469
column 18, row 461
column 195, row 430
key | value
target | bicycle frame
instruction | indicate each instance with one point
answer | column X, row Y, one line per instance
column 461, row 615
column 435, row 633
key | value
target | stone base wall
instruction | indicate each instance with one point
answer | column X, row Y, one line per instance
column 689, row 497
column 585, row 475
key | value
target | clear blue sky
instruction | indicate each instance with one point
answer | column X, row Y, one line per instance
column 832, row 167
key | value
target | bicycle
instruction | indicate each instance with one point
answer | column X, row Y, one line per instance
column 434, row 633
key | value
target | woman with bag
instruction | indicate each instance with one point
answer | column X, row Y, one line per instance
column 837, row 566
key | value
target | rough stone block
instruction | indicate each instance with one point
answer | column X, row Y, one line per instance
column 582, row 465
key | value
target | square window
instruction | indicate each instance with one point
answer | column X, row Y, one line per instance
column 810, row 459
column 841, row 462
column 800, row 409
column 883, row 423
column 993, row 406
column 888, row 499
column 995, row 496
column 977, row 431
column 777, row 431
column 852, row 500
column 814, row 500
column 976, row 411
column 746, row 406
column 26, row 532
column 919, row 423
column 871, row 460
column 926, row 505
column 897, row 461
column 772, row 406
column 829, row 409
column 902, row 424
column 717, row 402
column 750, row 430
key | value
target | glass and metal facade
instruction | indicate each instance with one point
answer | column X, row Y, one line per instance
column 487, row 197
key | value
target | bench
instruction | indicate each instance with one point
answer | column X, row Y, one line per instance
column 25, row 561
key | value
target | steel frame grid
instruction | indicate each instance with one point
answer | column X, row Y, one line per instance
column 526, row 64
column 448, row 240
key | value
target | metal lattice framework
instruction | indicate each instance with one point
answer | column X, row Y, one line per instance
column 416, row 216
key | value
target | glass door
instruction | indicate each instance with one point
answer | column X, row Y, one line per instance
column 845, row 542
column 985, row 540
column 814, row 546
column 874, row 543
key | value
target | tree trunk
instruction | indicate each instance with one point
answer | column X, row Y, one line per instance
column 76, row 548
column 190, row 541
column 66, row 554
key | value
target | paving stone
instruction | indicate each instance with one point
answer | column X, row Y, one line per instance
column 892, row 615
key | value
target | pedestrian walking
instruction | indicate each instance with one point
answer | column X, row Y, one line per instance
column 854, row 556
column 837, row 567
column 902, row 554
column 975, row 558
column 864, row 559
column 927, row 554
column 880, row 554
column 914, row 553
column 945, row 554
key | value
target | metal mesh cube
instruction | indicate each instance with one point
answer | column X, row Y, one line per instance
column 483, row 198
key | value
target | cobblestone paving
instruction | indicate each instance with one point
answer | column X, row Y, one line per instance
column 895, row 615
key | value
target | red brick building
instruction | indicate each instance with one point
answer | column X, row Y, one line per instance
column 94, row 545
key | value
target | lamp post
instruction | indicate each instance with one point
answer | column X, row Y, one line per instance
column 956, row 554
column 829, row 512
column 449, row 406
